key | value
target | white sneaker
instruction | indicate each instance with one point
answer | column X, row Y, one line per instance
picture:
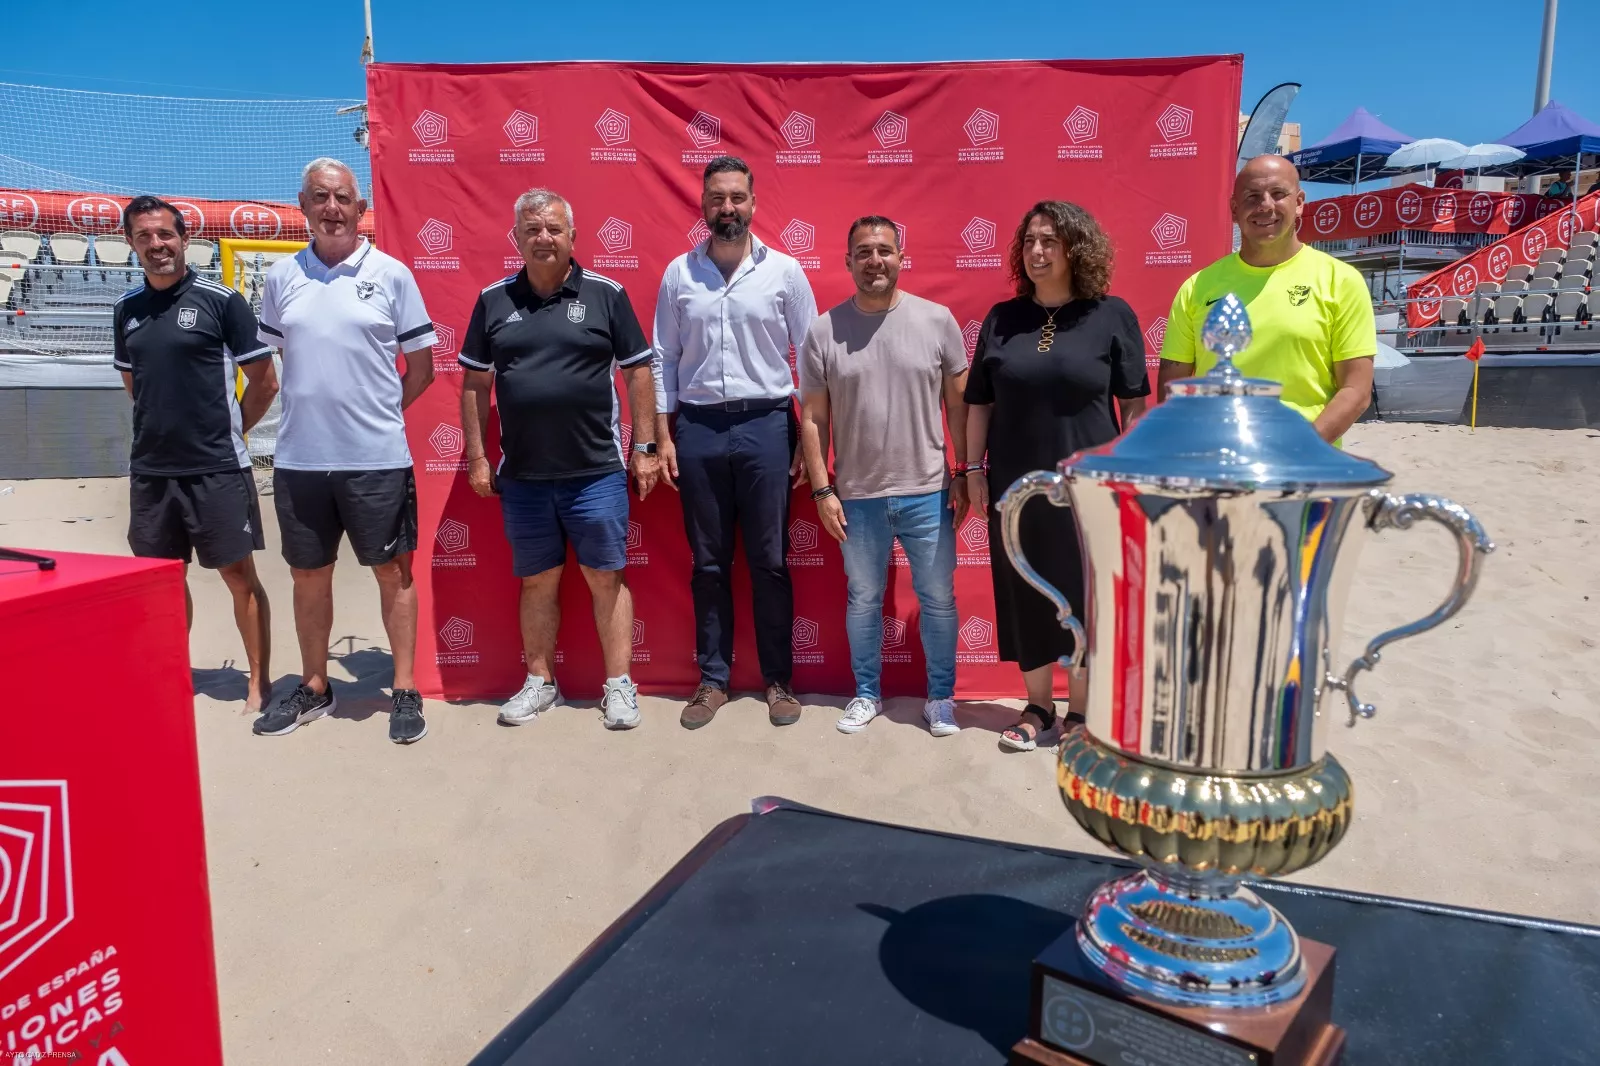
column 941, row 717
column 857, row 713
column 536, row 697
column 621, row 703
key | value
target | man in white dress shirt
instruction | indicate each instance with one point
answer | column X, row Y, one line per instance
column 728, row 313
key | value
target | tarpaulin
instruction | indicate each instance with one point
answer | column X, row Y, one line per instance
column 1491, row 263
column 954, row 152
column 1417, row 207
column 92, row 212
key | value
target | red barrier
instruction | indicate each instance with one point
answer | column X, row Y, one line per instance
column 105, row 921
column 953, row 152
column 56, row 212
column 1417, row 207
column 1491, row 263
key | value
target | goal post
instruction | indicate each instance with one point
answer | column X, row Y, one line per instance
column 244, row 268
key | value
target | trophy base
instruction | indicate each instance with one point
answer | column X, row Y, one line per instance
column 1079, row 1018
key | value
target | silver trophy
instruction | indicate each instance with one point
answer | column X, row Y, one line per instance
column 1220, row 536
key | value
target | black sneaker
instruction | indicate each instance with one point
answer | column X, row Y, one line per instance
column 405, row 721
column 295, row 710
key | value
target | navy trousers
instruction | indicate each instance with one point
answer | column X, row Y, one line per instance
column 733, row 473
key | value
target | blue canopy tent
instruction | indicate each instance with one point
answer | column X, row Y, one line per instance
column 1358, row 147
column 1555, row 139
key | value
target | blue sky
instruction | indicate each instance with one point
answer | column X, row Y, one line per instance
column 1463, row 69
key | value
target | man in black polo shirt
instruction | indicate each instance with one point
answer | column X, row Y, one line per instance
column 549, row 340
column 177, row 340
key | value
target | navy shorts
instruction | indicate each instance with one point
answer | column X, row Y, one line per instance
column 541, row 516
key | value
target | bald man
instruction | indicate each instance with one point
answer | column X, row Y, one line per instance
column 1311, row 313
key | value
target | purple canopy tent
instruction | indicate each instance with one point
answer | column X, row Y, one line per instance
column 1360, row 144
column 1555, row 139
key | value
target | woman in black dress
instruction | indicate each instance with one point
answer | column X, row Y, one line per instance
column 1057, row 369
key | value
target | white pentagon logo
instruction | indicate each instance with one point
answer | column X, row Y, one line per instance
column 615, row 235
column 982, row 127
column 446, row 440
column 435, row 237
column 798, row 129
column 1175, row 123
column 452, row 536
column 613, row 127
column 894, row 633
column 977, row 633
column 891, row 129
column 521, row 129
column 798, row 237
column 975, row 534
column 704, row 130
column 456, row 633
column 1170, row 231
column 36, row 896
column 802, row 536
column 1081, row 124
column 1155, row 334
column 978, row 235
column 805, row 633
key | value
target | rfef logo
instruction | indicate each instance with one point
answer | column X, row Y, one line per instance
column 19, row 210
column 799, row 132
column 1480, row 209
column 1083, row 132
column 1564, row 227
column 36, row 893
column 1175, row 125
column 1465, row 279
column 1534, row 242
column 94, row 214
column 1429, row 300
column 1408, row 206
column 431, row 129
column 1368, row 211
column 1497, row 262
column 1325, row 217
column 255, row 222
column 983, row 130
column 1513, row 210
column 522, row 130
column 616, row 237
column 194, row 219
column 1444, row 207
column 1171, row 234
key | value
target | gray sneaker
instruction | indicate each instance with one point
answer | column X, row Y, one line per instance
column 621, row 703
column 536, row 697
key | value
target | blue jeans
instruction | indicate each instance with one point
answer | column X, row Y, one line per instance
column 923, row 525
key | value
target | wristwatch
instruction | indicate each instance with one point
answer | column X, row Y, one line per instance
column 648, row 448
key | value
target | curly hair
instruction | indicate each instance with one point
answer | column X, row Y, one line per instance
column 1088, row 249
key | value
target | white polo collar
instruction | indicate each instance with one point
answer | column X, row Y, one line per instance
column 351, row 263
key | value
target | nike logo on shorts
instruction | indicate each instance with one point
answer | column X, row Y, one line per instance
column 391, row 544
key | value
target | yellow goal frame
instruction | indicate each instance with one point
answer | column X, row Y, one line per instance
column 227, row 248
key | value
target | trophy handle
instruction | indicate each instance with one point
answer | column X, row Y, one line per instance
column 1401, row 512
column 1053, row 486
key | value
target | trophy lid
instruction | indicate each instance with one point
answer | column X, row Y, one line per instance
column 1227, row 432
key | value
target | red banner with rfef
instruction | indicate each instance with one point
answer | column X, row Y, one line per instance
column 953, row 152
column 215, row 220
column 1492, row 263
column 1417, row 207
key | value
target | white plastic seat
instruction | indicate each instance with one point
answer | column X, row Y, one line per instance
column 1569, row 282
column 1571, row 304
column 1536, row 304
column 23, row 243
column 200, row 254
column 69, row 248
column 1520, row 272
column 1452, row 310
column 5, row 289
column 1586, row 239
column 1553, row 255
column 112, row 249
column 1506, row 309
column 1478, row 308
column 1547, row 270
column 1519, row 286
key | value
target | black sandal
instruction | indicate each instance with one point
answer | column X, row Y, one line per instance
column 1015, row 739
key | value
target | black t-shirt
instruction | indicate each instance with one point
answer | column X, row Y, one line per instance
column 181, row 345
column 554, row 363
column 1048, row 405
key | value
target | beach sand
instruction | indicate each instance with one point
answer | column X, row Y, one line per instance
column 378, row 904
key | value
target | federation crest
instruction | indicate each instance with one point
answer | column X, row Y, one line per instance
column 365, row 289
column 576, row 311
column 187, row 316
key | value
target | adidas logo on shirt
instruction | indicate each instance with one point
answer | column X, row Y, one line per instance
column 515, row 316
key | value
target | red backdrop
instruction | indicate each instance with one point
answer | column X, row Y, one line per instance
column 954, row 152
column 92, row 212
column 1417, row 207
column 1491, row 263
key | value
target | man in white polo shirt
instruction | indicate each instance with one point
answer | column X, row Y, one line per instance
column 342, row 311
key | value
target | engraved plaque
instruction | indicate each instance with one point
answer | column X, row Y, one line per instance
column 1102, row 1030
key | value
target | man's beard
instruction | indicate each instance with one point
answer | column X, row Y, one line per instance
column 730, row 229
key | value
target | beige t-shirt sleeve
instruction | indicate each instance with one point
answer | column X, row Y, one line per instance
column 814, row 358
column 952, row 346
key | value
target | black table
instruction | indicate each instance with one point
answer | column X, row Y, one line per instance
column 797, row 936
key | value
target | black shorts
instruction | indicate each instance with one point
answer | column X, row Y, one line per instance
column 377, row 509
column 216, row 515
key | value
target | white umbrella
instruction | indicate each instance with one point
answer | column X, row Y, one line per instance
column 1483, row 155
column 1428, row 152
column 1389, row 359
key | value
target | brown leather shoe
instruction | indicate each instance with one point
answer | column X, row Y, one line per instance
column 782, row 707
column 703, row 707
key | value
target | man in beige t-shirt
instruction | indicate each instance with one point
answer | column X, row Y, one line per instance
column 872, row 373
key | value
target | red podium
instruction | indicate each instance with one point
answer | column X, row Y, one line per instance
column 105, row 919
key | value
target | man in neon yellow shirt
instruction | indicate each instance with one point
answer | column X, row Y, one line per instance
column 1311, row 314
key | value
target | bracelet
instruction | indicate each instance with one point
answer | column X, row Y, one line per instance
column 475, row 458
column 976, row 468
column 823, row 493
column 959, row 473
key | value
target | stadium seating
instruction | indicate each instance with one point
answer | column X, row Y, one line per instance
column 112, row 249
column 1520, row 272
column 201, row 254
column 1551, row 269
column 69, row 248
column 1482, row 303
column 20, row 242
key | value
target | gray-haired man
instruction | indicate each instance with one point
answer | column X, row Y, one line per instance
column 548, row 340
column 342, row 311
